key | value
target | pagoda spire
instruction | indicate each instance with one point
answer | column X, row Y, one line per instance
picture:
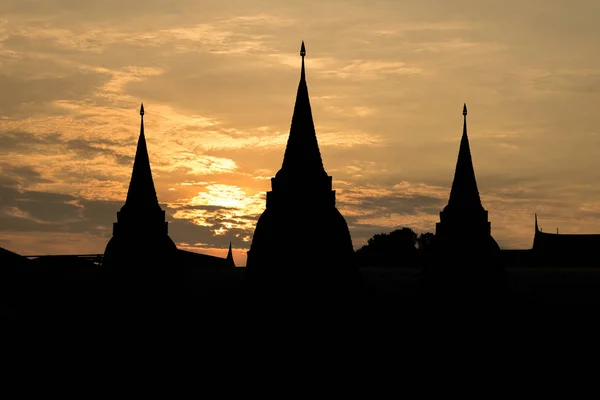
column 536, row 224
column 302, row 155
column 302, row 54
column 230, row 255
column 464, row 192
column 141, row 194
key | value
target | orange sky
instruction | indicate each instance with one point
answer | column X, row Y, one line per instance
column 387, row 82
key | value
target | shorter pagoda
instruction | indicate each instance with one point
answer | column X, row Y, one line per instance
column 467, row 257
column 140, row 246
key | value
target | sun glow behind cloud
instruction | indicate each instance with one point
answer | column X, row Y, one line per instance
column 222, row 208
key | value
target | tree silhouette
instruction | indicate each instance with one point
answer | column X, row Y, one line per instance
column 425, row 242
column 392, row 249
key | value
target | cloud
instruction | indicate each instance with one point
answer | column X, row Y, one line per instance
column 373, row 209
column 98, row 147
column 443, row 26
column 574, row 81
column 20, row 175
column 17, row 93
column 373, row 69
column 223, row 209
column 27, row 141
column 34, row 212
column 23, row 142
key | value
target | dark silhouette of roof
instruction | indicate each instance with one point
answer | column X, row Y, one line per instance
column 464, row 192
column 141, row 194
column 8, row 257
column 66, row 259
column 302, row 156
column 571, row 245
column 199, row 260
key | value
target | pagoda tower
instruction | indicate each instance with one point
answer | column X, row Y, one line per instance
column 464, row 222
column 140, row 244
column 466, row 260
column 301, row 236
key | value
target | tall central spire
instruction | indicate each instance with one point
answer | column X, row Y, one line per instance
column 300, row 205
column 302, row 156
column 141, row 194
column 464, row 192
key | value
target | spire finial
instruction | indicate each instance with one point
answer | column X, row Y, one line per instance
column 142, row 110
column 464, row 119
column 302, row 53
column 536, row 223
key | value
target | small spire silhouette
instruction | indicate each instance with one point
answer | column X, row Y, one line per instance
column 536, row 224
column 230, row 255
column 464, row 190
column 141, row 194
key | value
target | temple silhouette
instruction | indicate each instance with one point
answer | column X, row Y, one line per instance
column 466, row 254
column 464, row 228
column 301, row 236
column 140, row 243
column 302, row 247
column 559, row 248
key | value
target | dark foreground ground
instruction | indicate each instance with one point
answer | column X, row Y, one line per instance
column 215, row 313
column 214, row 290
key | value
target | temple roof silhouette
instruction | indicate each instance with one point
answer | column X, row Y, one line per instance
column 8, row 257
column 199, row 260
column 141, row 194
column 572, row 243
column 464, row 192
column 302, row 156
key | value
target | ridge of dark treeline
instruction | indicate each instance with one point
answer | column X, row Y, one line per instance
column 401, row 247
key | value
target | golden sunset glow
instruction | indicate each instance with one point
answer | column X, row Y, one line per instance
column 386, row 79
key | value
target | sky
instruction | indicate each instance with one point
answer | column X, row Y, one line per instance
column 387, row 81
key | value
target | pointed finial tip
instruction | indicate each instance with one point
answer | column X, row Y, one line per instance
column 142, row 109
column 465, row 109
column 302, row 49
